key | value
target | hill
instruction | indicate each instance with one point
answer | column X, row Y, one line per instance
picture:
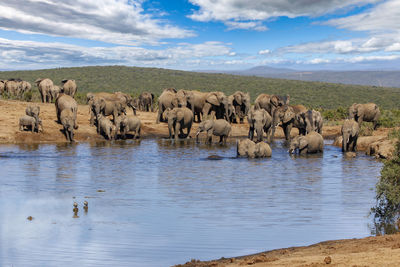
column 135, row 80
column 374, row 78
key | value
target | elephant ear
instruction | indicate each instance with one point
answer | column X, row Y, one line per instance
column 64, row 81
column 302, row 143
column 274, row 100
column 213, row 99
column 179, row 114
column 265, row 116
column 38, row 80
column 238, row 98
column 208, row 124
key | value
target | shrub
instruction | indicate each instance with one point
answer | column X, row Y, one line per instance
column 387, row 209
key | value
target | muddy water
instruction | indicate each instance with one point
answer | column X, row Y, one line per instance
column 154, row 203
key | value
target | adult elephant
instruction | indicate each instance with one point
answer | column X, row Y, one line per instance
column 2, row 86
column 178, row 119
column 365, row 112
column 259, row 121
column 247, row 148
column 169, row 99
column 299, row 121
column 45, row 86
column 25, row 87
column 63, row 102
column 241, row 104
column 310, row 143
column 54, row 92
column 350, row 131
column 314, row 121
column 107, row 107
column 283, row 116
column 13, row 87
column 216, row 103
column 146, row 100
column 271, row 102
column 69, row 87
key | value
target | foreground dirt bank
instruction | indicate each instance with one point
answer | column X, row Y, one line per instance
column 369, row 251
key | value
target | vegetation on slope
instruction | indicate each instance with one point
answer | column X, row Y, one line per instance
column 135, row 80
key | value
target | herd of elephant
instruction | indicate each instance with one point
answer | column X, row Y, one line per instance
column 213, row 110
column 48, row 91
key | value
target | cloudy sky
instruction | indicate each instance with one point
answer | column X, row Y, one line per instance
column 201, row 34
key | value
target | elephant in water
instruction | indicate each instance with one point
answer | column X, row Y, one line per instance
column 105, row 127
column 247, row 148
column 283, row 115
column 260, row 121
column 129, row 124
column 69, row 87
column 310, row 143
column 313, row 121
column 365, row 112
column 350, row 131
column 220, row 128
column 178, row 119
column 45, row 86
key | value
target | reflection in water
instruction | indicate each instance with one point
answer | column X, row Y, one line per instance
column 161, row 202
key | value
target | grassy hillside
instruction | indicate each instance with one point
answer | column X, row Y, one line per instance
column 135, row 80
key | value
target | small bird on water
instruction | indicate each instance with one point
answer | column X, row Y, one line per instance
column 85, row 206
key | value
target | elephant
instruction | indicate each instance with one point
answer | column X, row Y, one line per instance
column 241, row 104
column 350, row 131
column 2, row 86
column 365, row 112
column 45, row 86
column 105, row 127
column 314, row 121
column 146, row 101
column 299, row 121
column 54, row 92
column 64, row 101
column 220, row 128
column 68, row 121
column 69, row 87
column 169, row 99
column 33, row 111
column 125, row 100
column 25, row 87
column 129, row 124
column 30, row 122
column 231, row 110
column 178, row 119
column 248, row 148
column 271, row 102
column 99, row 105
column 310, row 143
column 216, row 103
column 283, row 115
column 13, row 87
column 260, row 121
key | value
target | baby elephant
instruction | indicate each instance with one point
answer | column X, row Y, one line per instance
column 310, row 143
column 67, row 119
column 247, row 148
column 105, row 127
column 33, row 111
column 30, row 123
column 220, row 128
column 178, row 119
column 350, row 131
column 128, row 124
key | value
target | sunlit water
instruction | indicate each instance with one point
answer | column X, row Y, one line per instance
column 166, row 203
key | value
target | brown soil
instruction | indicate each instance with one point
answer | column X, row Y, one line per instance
column 369, row 251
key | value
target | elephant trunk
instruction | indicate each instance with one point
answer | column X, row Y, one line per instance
column 260, row 132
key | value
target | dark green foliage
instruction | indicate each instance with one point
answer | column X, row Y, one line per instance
column 387, row 209
column 389, row 118
column 337, row 114
column 134, row 80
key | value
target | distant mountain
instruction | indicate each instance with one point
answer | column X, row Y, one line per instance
column 372, row 78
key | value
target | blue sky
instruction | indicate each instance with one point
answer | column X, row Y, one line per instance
column 201, row 34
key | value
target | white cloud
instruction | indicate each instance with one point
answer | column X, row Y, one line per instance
column 248, row 25
column 241, row 13
column 264, row 52
column 34, row 55
column 319, row 61
column 111, row 21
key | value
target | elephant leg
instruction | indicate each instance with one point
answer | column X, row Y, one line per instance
column 251, row 133
column 188, row 130
column 209, row 136
column 271, row 134
column 177, row 130
column 287, row 129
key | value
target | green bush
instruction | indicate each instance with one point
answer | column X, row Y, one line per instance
column 389, row 118
column 387, row 209
column 337, row 114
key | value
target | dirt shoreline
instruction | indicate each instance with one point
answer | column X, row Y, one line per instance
column 368, row 251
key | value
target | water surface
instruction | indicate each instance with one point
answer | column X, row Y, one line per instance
column 159, row 203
